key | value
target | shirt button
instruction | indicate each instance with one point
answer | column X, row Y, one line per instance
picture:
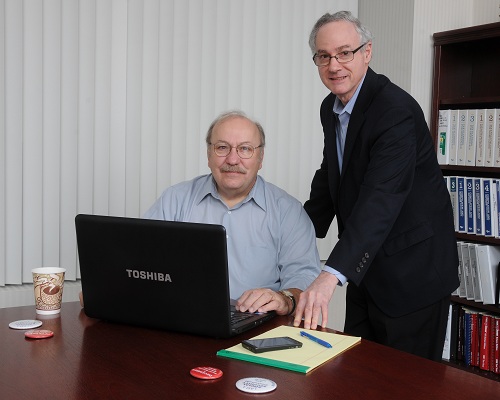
column 229, row 212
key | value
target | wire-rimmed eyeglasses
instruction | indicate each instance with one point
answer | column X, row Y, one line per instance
column 323, row 59
column 222, row 149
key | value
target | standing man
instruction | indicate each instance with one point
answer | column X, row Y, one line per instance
column 380, row 178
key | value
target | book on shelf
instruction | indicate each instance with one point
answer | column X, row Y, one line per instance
column 487, row 210
column 470, row 206
column 461, row 334
column 495, row 361
column 494, row 207
column 460, row 291
column 469, row 137
column 443, row 150
column 472, row 337
column 488, row 258
column 453, row 137
column 480, row 137
column 461, row 203
column 485, row 345
column 470, row 344
column 452, row 188
column 453, row 341
column 492, row 131
column 496, row 210
column 474, row 270
column 478, row 196
column 447, row 338
column 469, row 288
column 470, row 151
column 462, row 137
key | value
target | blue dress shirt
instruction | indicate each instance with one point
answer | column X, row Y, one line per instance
column 270, row 239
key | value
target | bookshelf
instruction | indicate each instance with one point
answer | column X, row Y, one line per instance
column 467, row 76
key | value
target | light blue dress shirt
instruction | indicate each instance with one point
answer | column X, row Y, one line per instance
column 270, row 239
column 343, row 114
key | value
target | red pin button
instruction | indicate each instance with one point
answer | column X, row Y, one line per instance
column 39, row 334
column 206, row 373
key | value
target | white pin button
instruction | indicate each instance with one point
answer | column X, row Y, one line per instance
column 256, row 385
column 25, row 324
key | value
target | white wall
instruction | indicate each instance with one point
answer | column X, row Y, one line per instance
column 106, row 103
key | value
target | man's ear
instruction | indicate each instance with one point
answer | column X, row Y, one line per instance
column 368, row 52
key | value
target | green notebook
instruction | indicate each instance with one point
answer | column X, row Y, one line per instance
column 303, row 359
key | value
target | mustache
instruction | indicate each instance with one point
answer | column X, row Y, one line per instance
column 233, row 168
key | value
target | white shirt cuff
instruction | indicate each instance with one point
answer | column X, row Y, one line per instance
column 342, row 279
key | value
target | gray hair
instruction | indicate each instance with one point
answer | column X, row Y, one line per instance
column 364, row 34
column 234, row 114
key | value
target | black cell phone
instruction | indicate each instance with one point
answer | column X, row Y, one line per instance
column 271, row 344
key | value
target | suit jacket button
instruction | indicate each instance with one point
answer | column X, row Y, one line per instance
column 358, row 269
column 367, row 255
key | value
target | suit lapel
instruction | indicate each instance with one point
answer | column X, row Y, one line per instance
column 357, row 118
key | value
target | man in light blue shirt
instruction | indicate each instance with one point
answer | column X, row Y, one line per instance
column 272, row 253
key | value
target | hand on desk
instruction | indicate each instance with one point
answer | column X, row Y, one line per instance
column 264, row 300
column 314, row 301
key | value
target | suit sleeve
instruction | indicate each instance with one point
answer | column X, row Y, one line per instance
column 320, row 207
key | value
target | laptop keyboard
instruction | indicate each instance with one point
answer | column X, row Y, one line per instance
column 237, row 316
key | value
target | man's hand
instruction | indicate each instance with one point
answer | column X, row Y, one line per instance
column 264, row 300
column 314, row 301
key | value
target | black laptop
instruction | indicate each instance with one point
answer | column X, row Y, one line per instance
column 158, row 274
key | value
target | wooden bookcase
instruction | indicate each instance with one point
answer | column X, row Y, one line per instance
column 467, row 76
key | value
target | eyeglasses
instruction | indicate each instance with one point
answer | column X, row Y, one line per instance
column 323, row 59
column 222, row 149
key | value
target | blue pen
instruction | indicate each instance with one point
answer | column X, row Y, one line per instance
column 315, row 339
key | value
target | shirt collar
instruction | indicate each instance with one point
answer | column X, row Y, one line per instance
column 257, row 193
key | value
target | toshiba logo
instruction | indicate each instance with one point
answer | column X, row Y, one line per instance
column 152, row 276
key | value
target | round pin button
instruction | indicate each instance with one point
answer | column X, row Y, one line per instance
column 206, row 373
column 25, row 324
column 256, row 385
column 39, row 334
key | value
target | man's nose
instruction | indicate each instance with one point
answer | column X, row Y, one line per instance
column 233, row 157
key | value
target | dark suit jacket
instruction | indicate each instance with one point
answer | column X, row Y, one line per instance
column 394, row 215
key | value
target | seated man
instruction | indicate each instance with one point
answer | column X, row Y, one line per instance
column 272, row 253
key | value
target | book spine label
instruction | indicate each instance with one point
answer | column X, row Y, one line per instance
column 462, row 137
column 471, row 220
column 453, row 137
column 487, row 208
column 480, row 137
column 443, row 137
column 461, row 203
column 470, row 155
column 478, row 208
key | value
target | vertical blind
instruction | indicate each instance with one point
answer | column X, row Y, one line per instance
column 105, row 103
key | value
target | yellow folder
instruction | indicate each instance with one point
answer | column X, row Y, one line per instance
column 303, row 359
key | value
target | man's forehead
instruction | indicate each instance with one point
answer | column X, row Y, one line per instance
column 340, row 34
column 235, row 127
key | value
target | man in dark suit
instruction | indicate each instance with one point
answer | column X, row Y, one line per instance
column 380, row 178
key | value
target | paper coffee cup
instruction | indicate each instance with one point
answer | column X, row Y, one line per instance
column 48, row 285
